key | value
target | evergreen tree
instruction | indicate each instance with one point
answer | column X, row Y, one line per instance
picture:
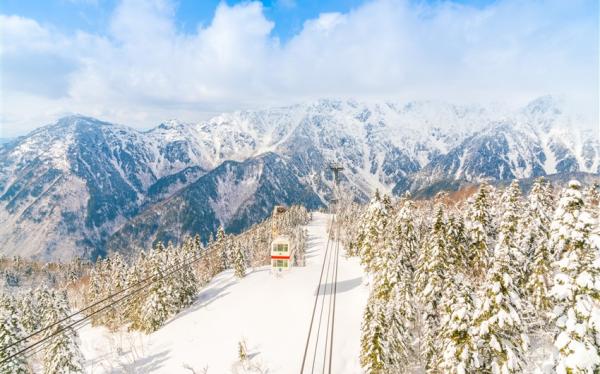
column 197, row 245
column 512, row 236
column 498, row 318
column 62, row 353
column 540, row 204
column 180, row 285
column 29, row 312
column 386, row 324
column 239, row 260
column 156, row 306
column 479, row 228
column 592, row 199
column 405, row 243
column 431, row 276
column 372, row 343
column 116, row 280
column 155, row 309
column 351, row 227
column 188, row 278
column 138, row 271
column 576, row 289
column 459, row 342
column 372, row 231
column 172, row 283
column 228, row 251
column 92, row 292
column 221, row 244
column 11, row 331
column 457, row 243
column 407, row 240
column 391, row 292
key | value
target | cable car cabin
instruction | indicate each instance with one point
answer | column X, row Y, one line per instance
column 282, row 255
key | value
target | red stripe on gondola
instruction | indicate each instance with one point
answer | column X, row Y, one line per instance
column 280, row 257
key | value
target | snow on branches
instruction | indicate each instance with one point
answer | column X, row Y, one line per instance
column 460, row 287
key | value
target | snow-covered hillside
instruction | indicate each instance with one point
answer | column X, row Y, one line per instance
column 271, row 313
column 67, row 188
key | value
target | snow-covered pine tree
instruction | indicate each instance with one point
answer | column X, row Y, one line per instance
column 11, row 331
column 197, row 245
column 479, row 226
column 431, row 277
column 576, row 289
column 62, row 354
column 135, row 274
column 512, row 225
column 228, row 251
column 457, row 244
column 105, row 287
column 215, row 260
column 392, row 292
column 591, row 197
column 399, row 257
column 502, row 341
column 29, row 312
column 189, row 282
column 373, row 229
column 220, row 243
column 180, row 284
column 116, row 280
column 239, row 260
column 540, row 203
column 373, row 347
column 156, row 305
column 459, row 342
column 155, row 309
column 92, row 292
column 407, row 240
column 351, row 226
column 172, row 283
column 43, row 300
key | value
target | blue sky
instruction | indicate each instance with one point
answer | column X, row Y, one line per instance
column 139, row 62
column 94, row 15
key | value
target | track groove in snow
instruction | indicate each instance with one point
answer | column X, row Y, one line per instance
column 271, row 313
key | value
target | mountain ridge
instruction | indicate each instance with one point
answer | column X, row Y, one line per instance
column 67, row 188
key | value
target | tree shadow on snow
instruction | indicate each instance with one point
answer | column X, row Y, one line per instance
column 343, row 286
column 313, row 249
column 144, row 364
column 204, row 298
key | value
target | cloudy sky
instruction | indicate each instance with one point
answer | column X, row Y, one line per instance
column 139, row 62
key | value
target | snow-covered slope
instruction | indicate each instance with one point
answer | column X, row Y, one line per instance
column 538, row 140
column 65, row 189
column 234, row 195
column 270, row 313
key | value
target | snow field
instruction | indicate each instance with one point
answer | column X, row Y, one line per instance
column 270, row 313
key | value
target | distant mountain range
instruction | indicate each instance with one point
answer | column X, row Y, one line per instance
column 81, row 187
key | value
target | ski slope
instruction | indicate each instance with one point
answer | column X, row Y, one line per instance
column 271, row 313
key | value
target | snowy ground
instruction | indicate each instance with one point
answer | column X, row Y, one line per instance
column 270, row 313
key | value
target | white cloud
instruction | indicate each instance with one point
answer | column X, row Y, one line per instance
column 145, row 70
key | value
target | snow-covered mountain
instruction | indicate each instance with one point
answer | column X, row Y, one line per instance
column 80, row 186
column 536, row 141
column 235, row 195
